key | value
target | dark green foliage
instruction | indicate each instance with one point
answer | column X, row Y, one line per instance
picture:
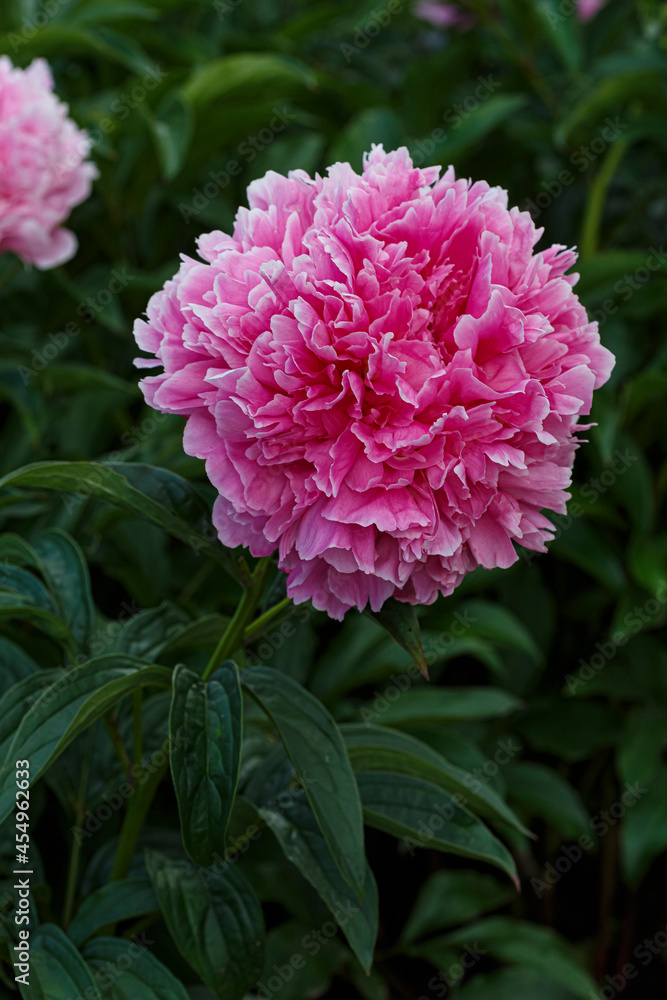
column 196, row 828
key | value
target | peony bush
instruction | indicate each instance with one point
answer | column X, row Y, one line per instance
column 294, row 705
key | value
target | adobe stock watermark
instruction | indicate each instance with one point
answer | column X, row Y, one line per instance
column 626, row 286
column 581, row 158
column 427, row 830
column 31, row 25
column 107, row 973
column 275, row 639
column 440, row 984
column 566, row 8
column 600, row 824
column 591, row 492
column 87, row 309
column 120, row 108
column 644, row 953
column 370, row 28
column 454, row 117
column 311, row 943
column 634, row 621
column 246, row 152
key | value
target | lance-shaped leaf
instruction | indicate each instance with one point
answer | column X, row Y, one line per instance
column 66, row 572
column 205, row 728
column 131, row 898
column 158, row 495
column 455, row 704
column 523, row 943
column 140, row 975
column 297, row 832
column 16, row 664
column 57, row 970
column 316, row 749
column 71, row 703
column 401, row 622
column 24, row 597
column 215, row 921
column 424, row 815
column 377, row 748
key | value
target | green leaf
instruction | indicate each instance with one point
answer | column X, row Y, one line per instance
column 611, row 92
column 16, row 702
column 67, row 708
column 15, row 607
column 522, row 943
column 570, row 729
column 215, row 921
column 113, row 10
column 513, row 984
column 379, row 125
column 203, row 633
column 66, row 572
column 15, row 665
column 146, row 633
column 156, row 494
column 640, row 754
column 439, row 704
column 316, row 749
column 376, row 748
column 172, row 130
column 295, row 944
column 401, row 622
column 205, row 728
column 644, row 828
column 19, row 583
column 130, row 898
column 74, row 376
column 243, row 71
column 143, row 977
column 562, row 31
column 463, row 134
column 448, row 898
column 544, row 793
column 586, row 548
column 494, row 622
column 57, row 971
column 424, row 815
column 297, row 832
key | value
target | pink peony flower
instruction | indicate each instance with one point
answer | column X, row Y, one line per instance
column 383, row 378
column 587, row 9
column 42, row 170
column 442, row 15
column 448, row 15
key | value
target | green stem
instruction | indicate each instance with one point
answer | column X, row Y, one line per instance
column 135, row 816
column 72, row 874
column 75, row 854
column 232, row 637
column 137, row 705
column 271, row 617
column 590, row 230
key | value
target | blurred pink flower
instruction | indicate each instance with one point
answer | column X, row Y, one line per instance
column 587, row 9
column 441, row 15
column 42, row 170
column 450, row 15
column 383, row 378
